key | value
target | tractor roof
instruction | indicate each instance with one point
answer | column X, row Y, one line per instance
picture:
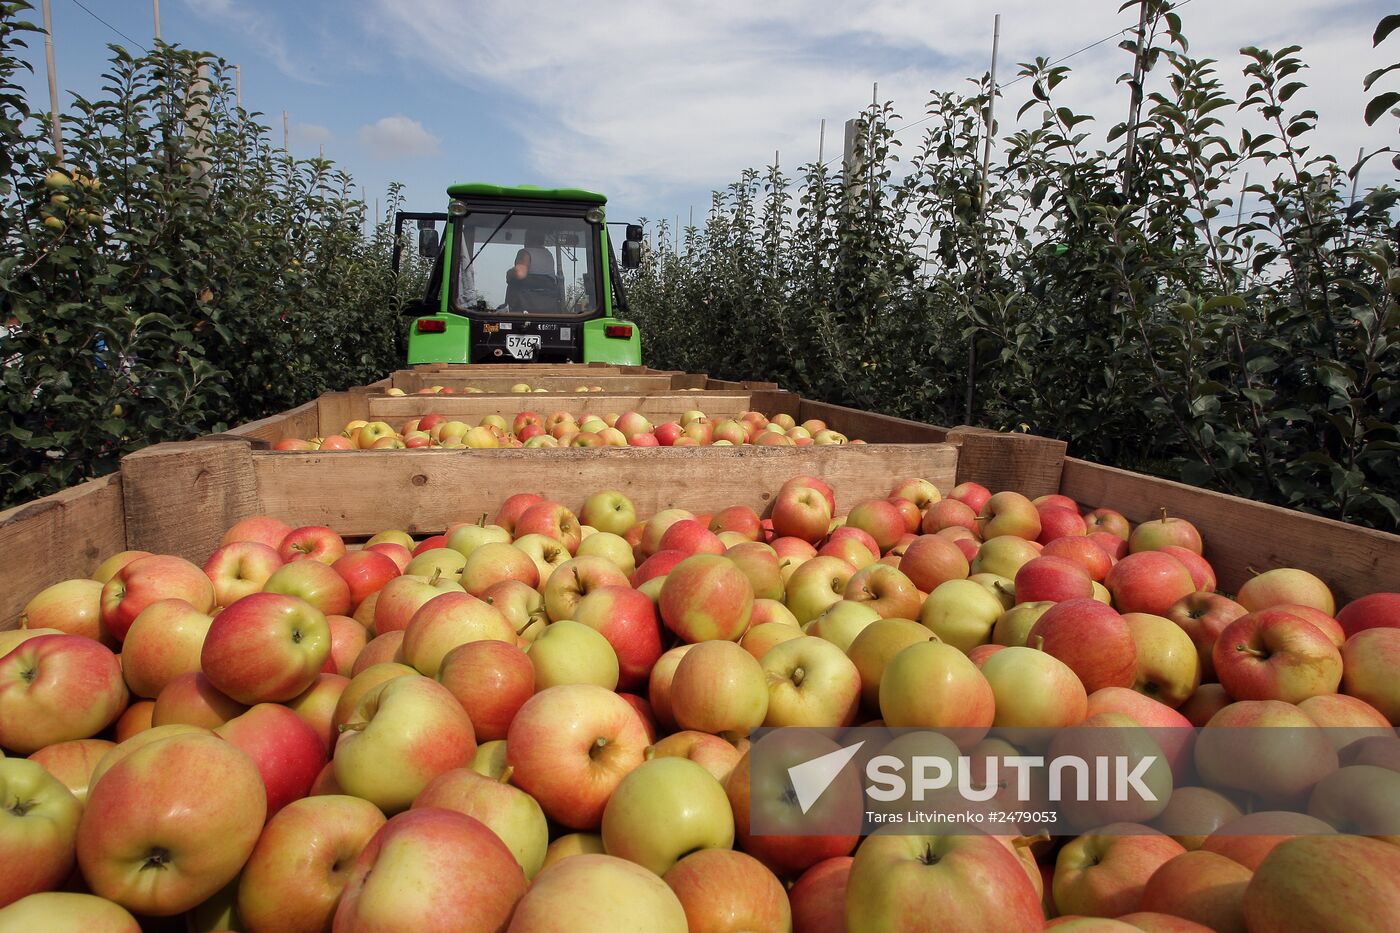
column 479, row 190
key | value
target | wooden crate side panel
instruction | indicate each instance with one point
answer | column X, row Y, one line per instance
column 1024, row 463
column 365, row 492
column 554, row 383
column 302, row 421
column 1243, row 537
column 57, row 538
column 868, row 426
column 335, row 410
column 181, row 497
column 660, row 407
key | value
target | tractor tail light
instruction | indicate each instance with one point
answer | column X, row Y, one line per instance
column 619, row 331
column 431, row 327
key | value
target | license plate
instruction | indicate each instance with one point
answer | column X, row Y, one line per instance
column 523, row 346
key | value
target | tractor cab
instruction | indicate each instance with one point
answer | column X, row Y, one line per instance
column 521, row 275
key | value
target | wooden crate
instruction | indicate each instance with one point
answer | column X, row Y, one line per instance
column 560, row 380
column 179, row 497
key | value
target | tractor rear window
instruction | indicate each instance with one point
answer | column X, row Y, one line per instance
column 525, row 264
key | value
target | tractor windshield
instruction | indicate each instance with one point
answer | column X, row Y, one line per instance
column 522, row 264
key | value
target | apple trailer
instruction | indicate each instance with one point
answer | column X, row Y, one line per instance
column 521, row 275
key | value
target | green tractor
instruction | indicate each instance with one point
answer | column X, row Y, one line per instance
column 521, row 275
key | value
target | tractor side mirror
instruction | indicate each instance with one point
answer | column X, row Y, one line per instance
column 631, row 255
column 427, row 243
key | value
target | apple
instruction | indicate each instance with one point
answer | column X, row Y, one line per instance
column 1168, row 667
column 380, row 649
column 1325, row 883
column 146, row 580
column 158, row 809
column 740, row 519
column 569, row 652
column 1346, row 719
column 312, row 542
column 1104, row 873
column 265, row 648
column 818, row 897
column 706, row 596
column 1052, row 579
column 612, row 548
column 467, row 538
column 1009, row 513
column 38, row 829
column 348, row 639
column 317, row 704
column 961, row 613
column 969, row 882
column 403, row 596
column 690, row 537
column 659, row 685
column 430, row 544
column 509, row 812
column 710, row 752
column 164, row 642
column 816, row 585
column 886, row 590
column 1200, row 886
column 402, row 538
column 73, row 607
column 457, row 866
column 1203, row 616
column 240, row 568
column 1057, row 522
column 1004, row 555
column 801, row 511
column 13, row 638
column 933, row 685
column 1249, row 839
column 56, row 688
column 931, row 560
column 664, row 809
column 1209, row 699
column 570, row 746
column 759, row 562
column 551, row 520
column 435, row 562
column 361, row 685
column 1192, row 814
column 1170, row 728
column 811, row 683
column 949, row 513
column 547, row 553
column 575, row 579
column 191, row 699
column 1108, row 521
column 973, row 495
column 491, row 680
column 446, row 621
column 598, row 894
column 1033, row 690
column 719, row 688
column 1286, row 586
column 1267, row 748
column 72, row 763
column 1092, row 639
column 1276, row 657
column 404, row 732
column 725, row 890
column 260, row 529
column 1202, row 573
column 109, row 567
column 1148, row 581
column 879, row 519
column 316, row 583
column 611, row 511
column 1376, row 610
column 298, row 869
column 841, row 623
column 68, row 911
column 288, row 752
column 365, row 572
column 1371, row 660
column 1094, row 559
column 1359, row 799
column 1013, row 627
column 1164, row 532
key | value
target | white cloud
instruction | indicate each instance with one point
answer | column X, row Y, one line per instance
column 649, row 97
column 398, row 137
column 311, row 134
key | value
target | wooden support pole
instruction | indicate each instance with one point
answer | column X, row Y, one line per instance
column 53, row 85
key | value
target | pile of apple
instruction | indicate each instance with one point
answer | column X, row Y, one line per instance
column 520, row 388
column 540, row 723
column 562, row 429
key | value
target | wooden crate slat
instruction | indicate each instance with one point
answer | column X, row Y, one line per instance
column 1243, row 536
column 365, row 492
column 658, row 407
column 180, row 497
column 1022, row 462
column 58, row 537
column 869, row 426
column 302, row 421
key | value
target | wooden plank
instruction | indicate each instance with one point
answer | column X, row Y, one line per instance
column 180, row 497
column 57, row 538
column 555, row 383
column 363, row 492
column 1023, row 462
column 335, row 410
column 302, row 421
column 1243, row 537
column 871, row 427
column 659, row 407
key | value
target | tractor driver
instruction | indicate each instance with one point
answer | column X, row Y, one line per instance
column 515, row 282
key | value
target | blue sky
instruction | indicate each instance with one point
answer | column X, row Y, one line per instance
column 656, row 104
